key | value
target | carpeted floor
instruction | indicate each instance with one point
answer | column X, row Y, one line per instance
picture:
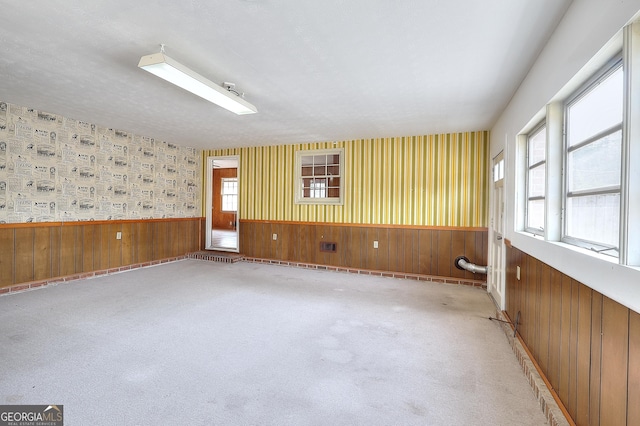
column 204, row 343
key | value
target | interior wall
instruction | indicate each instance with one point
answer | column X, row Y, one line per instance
column 587, row 345
column 55, row 168
column 76, row 197
column 221, row 219
column 45, row 251
column 434, row 180
column 587, row 28
column 403, row 249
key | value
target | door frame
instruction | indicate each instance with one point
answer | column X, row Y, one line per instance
column 209, row 201
column 497, row 255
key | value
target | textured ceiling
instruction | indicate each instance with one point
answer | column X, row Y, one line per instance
column 317, row 71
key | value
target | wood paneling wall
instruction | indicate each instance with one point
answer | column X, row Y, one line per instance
column 31, row 252
column 587, row 345
column 413, row 250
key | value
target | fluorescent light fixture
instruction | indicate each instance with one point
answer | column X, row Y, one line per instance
column 174, row 72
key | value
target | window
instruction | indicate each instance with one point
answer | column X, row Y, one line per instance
column 498, row 171
column 536, row 180
column 319, row 176
column 593, row 159
column 229, row 189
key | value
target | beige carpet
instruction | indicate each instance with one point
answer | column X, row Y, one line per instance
column 205, row 343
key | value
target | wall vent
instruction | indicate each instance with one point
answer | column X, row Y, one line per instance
column 328, row 247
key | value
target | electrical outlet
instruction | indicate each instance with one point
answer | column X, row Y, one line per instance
column 518, row 272
column 375, row 244
column 275, row 237
column 118, row 235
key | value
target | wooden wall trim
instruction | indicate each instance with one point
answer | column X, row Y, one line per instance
column 540, row 371
column 30, row 225
column 366, row 225
column 93, row 222
column 409, row 250
column 41, row 251
column 30, row 285
column 584, row 343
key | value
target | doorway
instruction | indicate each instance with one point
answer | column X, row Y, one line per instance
column 496, row 284
column 223, row 202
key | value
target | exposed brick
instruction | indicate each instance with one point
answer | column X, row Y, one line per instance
column 38, row 284
column 19, row 287
column 5, row 290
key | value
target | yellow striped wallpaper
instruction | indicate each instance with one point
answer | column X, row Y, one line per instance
column 434, row 180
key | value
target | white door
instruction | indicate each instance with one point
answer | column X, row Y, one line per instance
column 496, row 232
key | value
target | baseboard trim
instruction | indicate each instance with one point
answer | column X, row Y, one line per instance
column 389, row 274
column 31, row 285
column 551, row 406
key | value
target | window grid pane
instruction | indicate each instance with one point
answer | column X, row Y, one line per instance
column 593, row 159
column 229, row 189
column 536, row 179
column 594, row 218
column 320, row 176
column 537, row 146
column 597, row 110
column 596, row 165
column 535, row 215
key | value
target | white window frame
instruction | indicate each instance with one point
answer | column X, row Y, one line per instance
column 540, row 127
column 597, row 246
column 225, row 196
column 318, row 190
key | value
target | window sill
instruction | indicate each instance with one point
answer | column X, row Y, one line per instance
column 320, row 201
column 587, row 252
column 576, row 249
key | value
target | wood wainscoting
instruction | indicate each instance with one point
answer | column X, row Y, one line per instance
column 587, row 345
column 406, row 249
column 40, row 251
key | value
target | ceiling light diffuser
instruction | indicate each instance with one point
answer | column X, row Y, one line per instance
column 174, row 72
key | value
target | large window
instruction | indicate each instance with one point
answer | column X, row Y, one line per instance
column 536, row 179
column 229, row 189
column 593, row 159
column 319, row 176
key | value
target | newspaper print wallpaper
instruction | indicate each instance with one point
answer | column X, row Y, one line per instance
column 430, row 180
column 54, row 168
